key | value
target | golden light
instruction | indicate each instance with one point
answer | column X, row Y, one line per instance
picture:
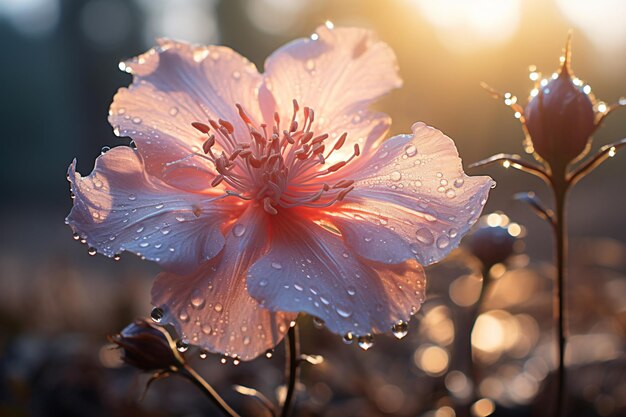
column 601, row 20
column 445, row 411
column 495, row 331
column 483, row 407
column 465, row 290
column 431, row 359
column 437, row 325
column 464, row 25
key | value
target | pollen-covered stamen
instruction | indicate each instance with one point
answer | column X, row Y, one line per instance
column 276, row 165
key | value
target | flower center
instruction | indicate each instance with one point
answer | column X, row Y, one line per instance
column 285, row 168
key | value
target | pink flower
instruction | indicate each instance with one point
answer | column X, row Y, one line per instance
column 258, row 207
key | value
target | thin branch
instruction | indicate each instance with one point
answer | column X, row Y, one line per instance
column 515, row 161
column 257, row 395
column 605, row 152
column 537, row 205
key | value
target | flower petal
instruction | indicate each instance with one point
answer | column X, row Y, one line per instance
column 338, row 75
column 174, row 85
column 118, row 207
column 413, row 190
column 211, row 307
column 310, row 269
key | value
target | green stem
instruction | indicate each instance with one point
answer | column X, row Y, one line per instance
column 292, row 353
column 189, row 373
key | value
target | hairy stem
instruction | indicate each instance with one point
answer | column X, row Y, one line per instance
column 292, row 355
column 189, row 373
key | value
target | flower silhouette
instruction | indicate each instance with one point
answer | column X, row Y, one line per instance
column 265, row 195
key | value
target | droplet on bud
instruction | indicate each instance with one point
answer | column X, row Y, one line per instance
column 400, row 329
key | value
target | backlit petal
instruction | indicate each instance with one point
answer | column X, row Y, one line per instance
column 174, row 85
column 118, row 207
column 415, row 188
column 211, row 307
column 338, row 75
column 310, row 269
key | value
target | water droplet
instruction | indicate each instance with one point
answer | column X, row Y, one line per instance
column 236, row 75
column 104, row 150
column 396, row 176
column 173, row 111
column 458, row 183
column 183, row 316
column 450, row 193
column 117, row 257
column 443, row 242
column 453, row 233
column 356, row 119
column 218, row 307
column 203, row 354
column 239, row 230
column 366, row 342
column 92, row 251
column 144, row 244
column 400, row 329
column 269, row 353
column 182, row 345
column 132, row 197
column 425, row 236
column 348, row 338
column 159, row 206
column 137, row 120
column 410, row 150
column 197, row 300
column 263, row 283
column 310, row 65
column 224, row 359
column 206, row 329
column 236, row 361
column 343, row 312
column 277, row 266
column 76, row 236
column 318, row 323
column 156, row 314
column 246, row 340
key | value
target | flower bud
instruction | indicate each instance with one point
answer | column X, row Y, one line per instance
column 494, row 239
column 146, row 347
column 560, row 118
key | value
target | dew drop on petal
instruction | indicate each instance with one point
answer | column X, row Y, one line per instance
column 173, row 111
column 132, row 197
column 443, row 242
column 348, row 338
column 310, row 65
column 277, row 266
column 318, row 323
column 269, row 353
column 206, row 329
column 137, row 120
column 425, row 236
column 458, row 183
column 396, row 176
column 343, row 312
column 76, row 236
column 197, row 300
column 218, row 307
column 400, row 329
column 410, row 150
column 365, row 342
column 92, row 251
column 239, row 230
column 156, row 314
column 203, row 354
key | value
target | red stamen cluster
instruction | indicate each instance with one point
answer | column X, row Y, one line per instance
column 274, row 167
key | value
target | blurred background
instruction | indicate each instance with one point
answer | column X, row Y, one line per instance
column 57, row 304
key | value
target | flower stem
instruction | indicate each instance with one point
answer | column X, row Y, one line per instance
column 560, row 194
column 189, row 373
column 292, row 353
